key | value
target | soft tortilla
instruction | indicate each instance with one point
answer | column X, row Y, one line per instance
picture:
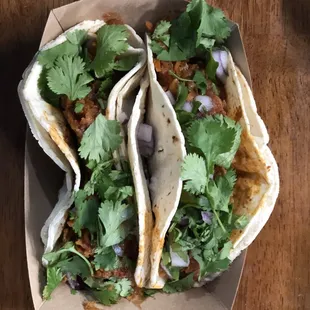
column 164, row 165
column 145, row 216
column 48, row 125
column 257, row 187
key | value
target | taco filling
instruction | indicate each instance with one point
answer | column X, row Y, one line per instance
column 98, row 249
column 190, row 60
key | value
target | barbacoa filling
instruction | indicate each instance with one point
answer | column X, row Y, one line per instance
column 99, row 245
column 190, row 60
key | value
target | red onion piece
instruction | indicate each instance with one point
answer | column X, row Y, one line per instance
column 145, row 133
column 222, row 58
column 118, row 250
column 206, row 103
column 188, row 106
column 123, row 117
column 146, row 148
column 170, row 96
column 207, row 216
column 177, row 261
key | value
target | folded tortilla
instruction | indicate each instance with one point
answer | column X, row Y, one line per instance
column 257, row 187
column 48, row 125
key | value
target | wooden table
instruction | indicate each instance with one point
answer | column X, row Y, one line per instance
column 277, row 39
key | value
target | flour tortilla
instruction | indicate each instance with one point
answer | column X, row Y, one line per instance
column 145, row 216
column 257, row 186
column 48, row 126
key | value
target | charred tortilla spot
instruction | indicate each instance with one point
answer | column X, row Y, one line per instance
column 168, row 120
column 168, row 194
column 164, row 114
column 175, row 139
column 160, row 150
column 162, row 106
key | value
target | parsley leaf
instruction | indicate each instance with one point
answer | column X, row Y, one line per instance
column 68, row 77
column 111, row 42
column 100, row 138
column 200, row 81
column 218, row 138
column 194, row 174
column 77, row 37
column 114, row 216
column 86, row 213
column 106, row 259
column 54, row 278
column 180, row 285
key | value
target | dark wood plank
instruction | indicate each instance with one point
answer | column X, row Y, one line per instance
column 21, row 26
column 276, row 37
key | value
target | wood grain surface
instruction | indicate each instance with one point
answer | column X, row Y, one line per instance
column 277, row 39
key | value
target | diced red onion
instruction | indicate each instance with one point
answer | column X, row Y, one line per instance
column 207, row 216
column 123, row 117
column 188, row 107
column 170, row 96
column 146, row 148
column 177, row 261
column 206, row 103
column 222, row 58
column 145, row 133
column 118, row 250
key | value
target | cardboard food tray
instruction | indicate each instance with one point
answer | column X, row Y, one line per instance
column 43, row 178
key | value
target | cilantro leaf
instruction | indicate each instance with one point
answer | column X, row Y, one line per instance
column 113, row 217
column 211, row 68
column 54, row 278
column 62, row 254
column 218, row 138
column 181, row 97
column 111, row 42
column 77, row 37
column 180, row 285
column 68, row 77
column 194, row 174
column 75, row 266
column 78, row 108
column 100, row 138
column 210, row 22
column 111, row 291
column 105, row 88
column 220, row 190
column 86, row 213
column 182, row 36
column 200, row 81
column 106, row 259
column 161, row 32
column 108, row 295
column 241, row 222
column 47, row 57
column 126, row 63
column 45, row 92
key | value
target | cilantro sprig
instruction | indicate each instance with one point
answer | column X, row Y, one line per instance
column 199, row 28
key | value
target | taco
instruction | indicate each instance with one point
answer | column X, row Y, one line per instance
column 93, row 238
column 213, row 180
